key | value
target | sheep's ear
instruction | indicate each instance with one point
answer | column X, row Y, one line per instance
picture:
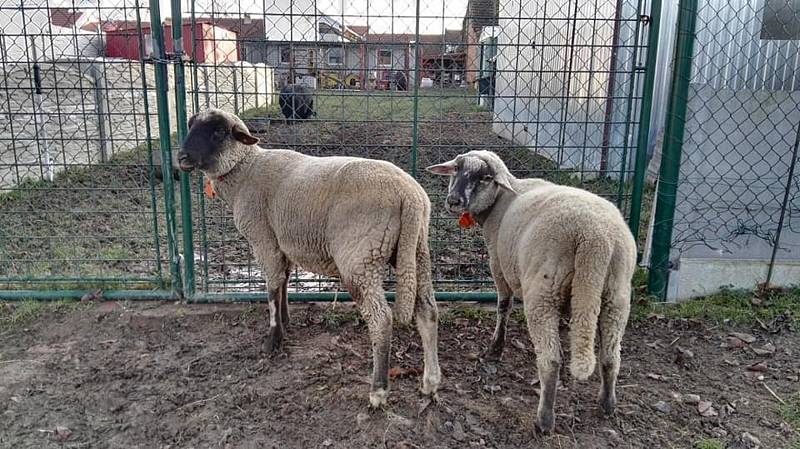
column 504, row 182
column 191, row 121
column 447, row 169
column 243, row 135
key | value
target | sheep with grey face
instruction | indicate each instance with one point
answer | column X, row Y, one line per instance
column 336, row 216
column 554, row 247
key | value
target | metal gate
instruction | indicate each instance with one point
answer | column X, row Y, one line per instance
column 555, row 88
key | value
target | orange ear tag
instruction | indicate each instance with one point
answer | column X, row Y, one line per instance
column 209, row 189
column 466, row 221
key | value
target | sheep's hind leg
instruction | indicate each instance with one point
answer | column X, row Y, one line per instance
column 542, row 316
column 376, row 312
column 427, row 318
column 284, row 307
column 613, row 319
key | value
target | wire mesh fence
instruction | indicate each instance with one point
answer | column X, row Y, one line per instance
column 729, row 167
column 555, row 88
column 77, row 199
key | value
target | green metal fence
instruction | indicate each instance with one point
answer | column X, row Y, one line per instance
column 556, row 88
column 727, row 204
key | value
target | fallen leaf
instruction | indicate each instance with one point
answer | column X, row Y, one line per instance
column 662, row 407
column 747, row 338
column 518, row 344
column 655, row 345
column 767, row 349
column 732, row 343
column 686, row 352
column 706, row 409
column 691, row 399
column 94, row 296
column 397, row 372
column 759, row 367
column 492, row 388
column 655, row 376
column 62, row 433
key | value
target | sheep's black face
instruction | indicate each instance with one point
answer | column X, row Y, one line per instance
column 472, row 187
column 203, row 142
column 210, row 135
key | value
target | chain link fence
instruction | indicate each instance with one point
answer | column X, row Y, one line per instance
column 555, row 88
column 728, row 170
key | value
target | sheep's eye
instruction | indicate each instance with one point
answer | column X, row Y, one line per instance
column 487, row 178
column 219, row 134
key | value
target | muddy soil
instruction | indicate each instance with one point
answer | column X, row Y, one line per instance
column 142, row 375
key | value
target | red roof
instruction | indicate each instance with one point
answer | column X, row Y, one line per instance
column 361, row 30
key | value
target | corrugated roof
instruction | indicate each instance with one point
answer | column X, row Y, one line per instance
column 483, row 13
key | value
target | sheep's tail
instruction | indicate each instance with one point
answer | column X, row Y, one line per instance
column 411, row 222
column 592, row 260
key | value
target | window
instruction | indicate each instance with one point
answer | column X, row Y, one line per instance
column 286, row 55
column 385, row 57
column 148, row 45
column 335, row 56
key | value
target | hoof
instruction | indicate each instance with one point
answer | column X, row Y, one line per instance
column 545, row 424
column 430, row 384
column 608, row 404
column 273, row 343
column 378, row 397
column 493, row 353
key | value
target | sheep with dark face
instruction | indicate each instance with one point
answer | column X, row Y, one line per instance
column 400, row 80
column 336, row 216
column 555, row 247
column 296, row 102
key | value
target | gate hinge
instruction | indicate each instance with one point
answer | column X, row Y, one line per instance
column 644, row 18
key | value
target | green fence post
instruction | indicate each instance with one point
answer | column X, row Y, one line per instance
column 640, row 167
column 417, row 81
column 162, row 84
column 180, row 118
column 671, row 158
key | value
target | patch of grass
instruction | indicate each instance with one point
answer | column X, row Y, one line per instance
column 709, row 444
column 249, row 314
column 13, row 314
column 379, row 105
column 790, row 412
column 734, row 306
column 518, row 315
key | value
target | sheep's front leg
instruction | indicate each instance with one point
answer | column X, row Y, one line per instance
column 504, row 299
column 274, row 340
column 275, row 269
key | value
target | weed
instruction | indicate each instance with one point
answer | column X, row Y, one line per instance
column 14, row 314
column 334, row 317
column 790, row 411
column 709, row 444
column 734, row 306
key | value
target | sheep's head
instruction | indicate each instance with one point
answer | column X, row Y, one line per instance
column 476, row 178
column 214, row 142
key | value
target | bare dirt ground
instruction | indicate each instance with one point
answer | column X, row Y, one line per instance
column 144, row 375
